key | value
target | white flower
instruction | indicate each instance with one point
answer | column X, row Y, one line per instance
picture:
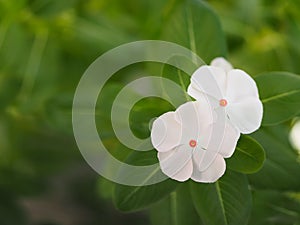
column 190, row 142
column 182, row 139
column 235, row 90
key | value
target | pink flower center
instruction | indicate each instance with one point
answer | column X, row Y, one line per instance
column 193, row 143
column 223, row 102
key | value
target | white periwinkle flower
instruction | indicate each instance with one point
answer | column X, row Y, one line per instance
column 235, row 90
column 190, row 142
column 182, row 140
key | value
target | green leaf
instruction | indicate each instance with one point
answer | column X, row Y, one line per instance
column 133, row 198
column 274, row 207
column 249, row 156
column 282, row 165
column 280, row 94
column 176, row 75
column 144, row 111
column 225, row 202
column 105, row 188
column 194, row 25
column 103, row 109
column 177, row 209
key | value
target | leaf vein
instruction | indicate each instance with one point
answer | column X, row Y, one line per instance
column 280, row 96
column 221, row 201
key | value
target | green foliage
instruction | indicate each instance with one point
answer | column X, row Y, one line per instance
column 194, row 25
column 143, row 112
column 273, row 207
column 45, row 47
column 177, row 209
column 178, row 76
column 280, row 94
column 225, row 202
column 280, row 170
column 248, row 157
column 132, row 198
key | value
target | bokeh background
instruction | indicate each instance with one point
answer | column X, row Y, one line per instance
column 45, row 47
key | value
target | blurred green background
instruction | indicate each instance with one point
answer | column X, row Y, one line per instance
column 45, row 47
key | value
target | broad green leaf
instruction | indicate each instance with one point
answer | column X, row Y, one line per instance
column 105, row 188
column 274, row 207
column 281, row 168
column 249, row 156
column 103, row 121
column 225, row 202
column 178, row 76
column 177, row 209
column 103, row 110
column 194, row 25
column 280, row 94
column 133, row 198
column 144, row 111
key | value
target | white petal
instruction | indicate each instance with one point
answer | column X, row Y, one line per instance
column 166, row 132
column 212, row 173
column 213, row 142
column 194, row 91
column 221, row 63
column 239, row 86
column 214, row 138
column 246, row 115
column 202, row 97
column 209, row 80
column 229, row 141
column 222, row 142
column 195, row 118
column 177, row 164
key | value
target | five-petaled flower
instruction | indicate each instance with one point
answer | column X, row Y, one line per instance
column 182, row 141
column 235, row 90
column 183, row 138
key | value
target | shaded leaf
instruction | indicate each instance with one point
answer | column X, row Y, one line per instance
column 133, row 198
column 225, row 202
column 177, row 209
column 194, row 25
column 280, row 94
column 144, row 111
column 249, row 156
column 273, row 207
column 281, row 168
column 176, row 75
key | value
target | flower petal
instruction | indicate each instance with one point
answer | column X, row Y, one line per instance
column 177, row 164
column 229, row 141
column 223, row 141
column 203, row 98
column 212, row 173
column 196, row 118
column 246, row 115
column 239, row 86
column 194, row 91
column 166, row 132
column 209, row 80
column 221, row 63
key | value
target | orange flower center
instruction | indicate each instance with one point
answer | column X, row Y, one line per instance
column 223, row 102
column 193, row 143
